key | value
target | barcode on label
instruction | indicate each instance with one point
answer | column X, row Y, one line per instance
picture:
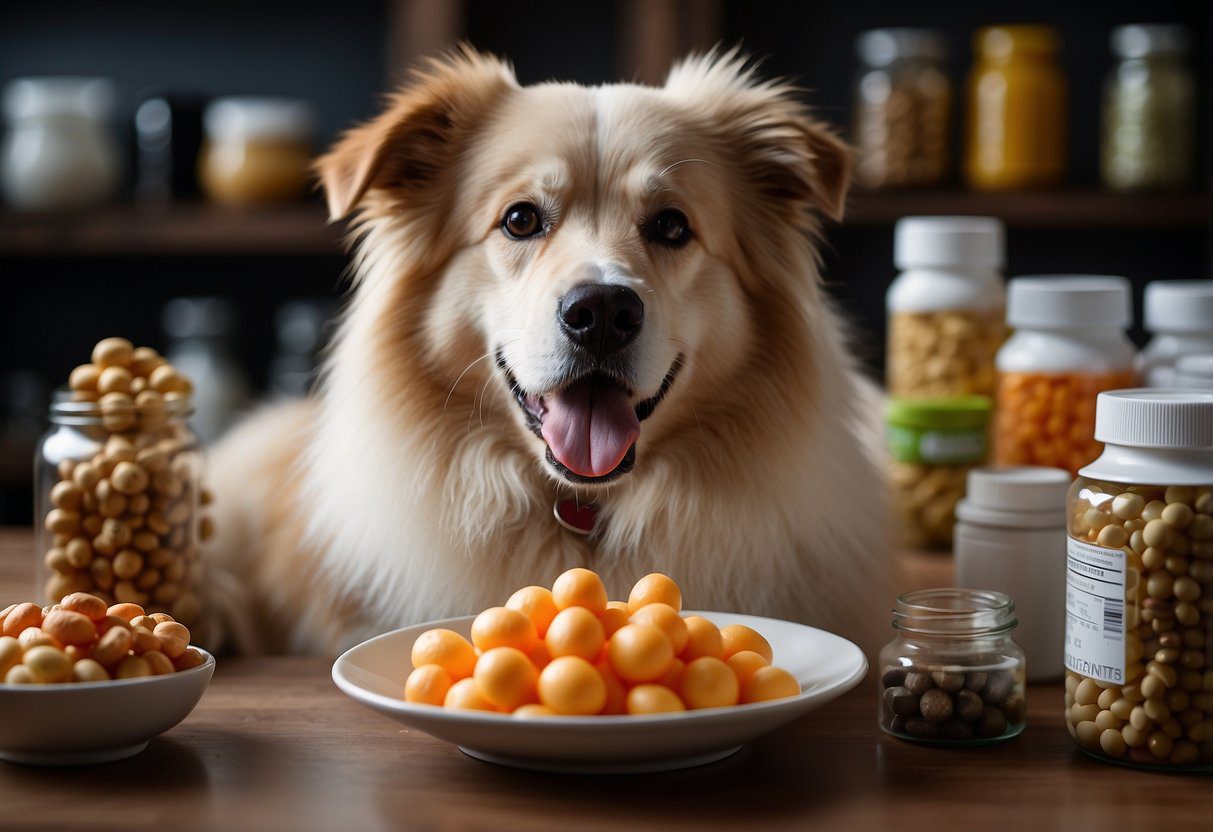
column 1113, row 618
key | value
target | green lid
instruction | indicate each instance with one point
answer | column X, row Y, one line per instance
column 947, row 413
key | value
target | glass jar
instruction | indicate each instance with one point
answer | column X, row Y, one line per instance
column 1177, row 315
column 903, row 103
column 1149, row 116
column 933, row 443
column 117, row 506
column 1069, row 343
column 1139, row 584
column 945, row 309
column 257, row 150
column 1017, row 110
column 952, row 674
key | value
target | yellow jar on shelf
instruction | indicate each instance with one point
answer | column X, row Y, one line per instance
column 257, row 150
column 1017, row 110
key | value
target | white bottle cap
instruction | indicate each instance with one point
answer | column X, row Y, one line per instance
column 1181, row 306
column 1193, row 372
column 1148, row 418
column 1058, row 301
column 941, row 242
column 1025, row 488
column 240, row 118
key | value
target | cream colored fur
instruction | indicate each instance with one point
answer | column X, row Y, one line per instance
column 408, row 488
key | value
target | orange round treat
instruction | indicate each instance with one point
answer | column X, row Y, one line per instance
column 639, row 653
column 427, row 685
column 616, row 693
column 738, row 637
column 506, row 677
column 127, row 612
column 501, row 627
column 672, row 675
column 614, row 616
column 769, row 683
column 85, row 604
column 653, row 699
column 21, row 617
column 571, row 685
column 655, row 588
column 744, row 663
column 576, row 632
column 580, row 588
column 537, row 604
column 447, row 649
column 69, row 627
column 708, row 682
column 665, row 618
column 539, row 655
column 704, row 639
column 534, row 710
column 464, row 695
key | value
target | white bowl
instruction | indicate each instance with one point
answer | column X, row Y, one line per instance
column 95, row 722
column 826, row 666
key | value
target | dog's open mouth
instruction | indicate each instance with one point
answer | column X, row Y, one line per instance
column 590, row 425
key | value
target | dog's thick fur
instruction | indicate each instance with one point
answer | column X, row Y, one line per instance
column 409, row 489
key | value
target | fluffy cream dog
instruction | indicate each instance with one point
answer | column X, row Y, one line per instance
column 607, row 295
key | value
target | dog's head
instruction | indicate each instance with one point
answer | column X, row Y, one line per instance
column 595, row 248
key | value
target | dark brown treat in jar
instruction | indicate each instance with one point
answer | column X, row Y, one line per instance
column 920, row 728
column 954, row 729
column 1015, row 708
column 901, row 701
column 918, row 683
column 976, row 680
column 936, row 705
column 992, row 723
column 894, row 677
column 948, row 680
column 969, row 706
column 998, row 687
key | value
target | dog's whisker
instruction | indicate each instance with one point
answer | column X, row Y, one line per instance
column 451, row 392
column 684, row 162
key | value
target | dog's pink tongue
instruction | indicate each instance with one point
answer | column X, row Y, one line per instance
column 589, row 426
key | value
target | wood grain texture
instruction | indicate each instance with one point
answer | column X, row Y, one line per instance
column 274, row 745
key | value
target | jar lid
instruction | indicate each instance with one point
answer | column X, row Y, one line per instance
column 241, row 118
column 1193, row 372
column 945, row 413
column 1023, row 488
column 880, row 47
column 1051, row 301
column 1002, row 41
column 59, row 97
column 1182, row 306
column 1148, row 418
column 933, row 242
column 1137, row 40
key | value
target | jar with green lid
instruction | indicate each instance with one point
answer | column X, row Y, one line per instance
column 1149, row 117
column 932, row 445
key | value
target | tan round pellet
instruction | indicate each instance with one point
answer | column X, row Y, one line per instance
column 84, row 377
column 114, row 380
column 1087, row 734
column 1112, row 742
column 89, row 670
column 113, row 352
column 144, row 360
column 132, row 667
column 1128, row 506
column 174, row 637
column 48, row 665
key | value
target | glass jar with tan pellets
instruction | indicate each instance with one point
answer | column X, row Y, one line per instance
column 1139, row 584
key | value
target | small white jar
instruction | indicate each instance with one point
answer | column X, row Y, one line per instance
column 1011, row 537
column 945, row 309
column 58, row 153
column 1178, row 314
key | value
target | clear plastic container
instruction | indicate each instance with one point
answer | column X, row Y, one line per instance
column 952, row 674
column 1150, row 106
column 903, row 103
column 1139, row 588
column 1178, row 314
column 945, row 308
column 1068, row 345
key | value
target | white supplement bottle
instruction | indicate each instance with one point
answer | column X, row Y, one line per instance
column 1011, row 537
column 1178, row 314
column 945, row 309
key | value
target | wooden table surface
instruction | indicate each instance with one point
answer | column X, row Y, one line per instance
column 274, row 745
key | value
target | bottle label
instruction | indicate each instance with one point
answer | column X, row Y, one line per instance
column 937, row 447
column 1095, row 611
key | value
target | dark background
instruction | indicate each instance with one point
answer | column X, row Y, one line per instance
column 55, row 305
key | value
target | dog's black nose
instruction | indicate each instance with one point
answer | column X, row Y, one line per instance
column 602, row 317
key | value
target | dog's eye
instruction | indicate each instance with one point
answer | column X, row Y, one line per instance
column 670, row 228
column 521, row 221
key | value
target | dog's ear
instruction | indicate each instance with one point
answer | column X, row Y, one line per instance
column 417, row 137
column 781, row 148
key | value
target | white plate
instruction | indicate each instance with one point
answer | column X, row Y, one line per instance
column 826, row 666
column 95, row 722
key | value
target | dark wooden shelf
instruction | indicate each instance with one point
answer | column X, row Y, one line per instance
column 1074, row 209
column 179, row 229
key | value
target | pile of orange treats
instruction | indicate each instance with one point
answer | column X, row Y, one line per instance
column 570, row 651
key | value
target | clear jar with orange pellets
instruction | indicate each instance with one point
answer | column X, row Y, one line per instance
column 1068, row 346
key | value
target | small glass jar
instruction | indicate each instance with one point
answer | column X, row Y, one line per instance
column 257, row 150
column 903, row 103
column 1139, row 584
column 117, row 493
column 1017, row 110
column 933, row 444
column 1178, row 315
column 1149, row 116
column 953, row 674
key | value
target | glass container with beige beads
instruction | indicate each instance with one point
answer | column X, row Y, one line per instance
column 118, row 486
column 1139, row 583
